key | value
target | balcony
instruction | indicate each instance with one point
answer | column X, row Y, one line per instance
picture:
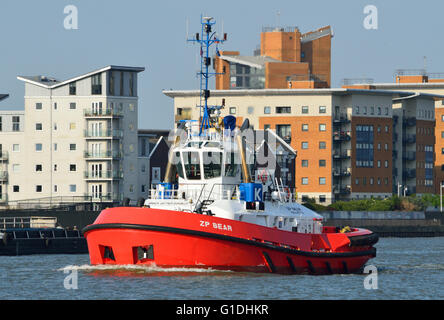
column 409, row 122
column 4, row 156
column 105, row 197
column 110, row 113
column 339, row 172
column 3, row 197
column 106, row 134
column 341, row 119
column 339, row 136
column 339, row 155
column 103, row 155
column 344, row 190
column 103, row 175
column 409, row 155
column 3, row 176
column 409, row 138
column 409, row 174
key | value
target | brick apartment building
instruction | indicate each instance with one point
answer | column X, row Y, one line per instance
column 286, row 59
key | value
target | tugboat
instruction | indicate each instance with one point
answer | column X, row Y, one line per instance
column 208, row 212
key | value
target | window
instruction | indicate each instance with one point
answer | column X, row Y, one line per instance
column 305, row 127
column 322, row 180
column 283, row 109
column 38, row 147
column 131, row 84
column 55, row 167
column 15, row 123
column 232, row 110
column 304, row 109
column 379, row 110
column 357, row 110
column 322, row 198
column 284, row 131
column 38, row 106
column 322, row 109
column 379, row 163
column 304, row 145
column 322, row 145
column 72, row 105
column 386, row 147
column 304, row 163
column 15, row 188
column 72, row 167
column 55, row 146
column 131, row 107
column 322, row 163
column 55, row 188
column 96, row 84
column 386, row 163
column 72, row 89
column 192, row 165
column 371, row 180
column 322, row 127
column 72, row 146
column 304, row 181
column 357, row 181
column 15, row 147
column 72, row 188
column 267, row 110
column 38, row 126
column 386, row 129
column 38, row 167
column 111, row 83
column 212, row 164
column 250, row 110
column 15, row 167
column 0, row 123
column 121, row 83
column 55, row 105
column 38, row 188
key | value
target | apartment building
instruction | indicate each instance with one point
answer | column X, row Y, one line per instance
column 75, row 138
column 286, row 59
column 344, row 138
column 415, row 120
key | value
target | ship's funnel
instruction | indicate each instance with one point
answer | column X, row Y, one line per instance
column 169, row 169
column 240, row 143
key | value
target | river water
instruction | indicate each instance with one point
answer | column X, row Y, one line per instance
column 407, row 268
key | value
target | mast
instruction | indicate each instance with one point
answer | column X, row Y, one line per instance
column 206, row 39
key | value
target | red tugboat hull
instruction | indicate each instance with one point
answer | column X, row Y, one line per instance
column 129, row 235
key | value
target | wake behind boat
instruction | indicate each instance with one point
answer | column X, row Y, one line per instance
column 208, row 213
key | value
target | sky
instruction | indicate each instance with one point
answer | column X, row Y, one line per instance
column 152, row 34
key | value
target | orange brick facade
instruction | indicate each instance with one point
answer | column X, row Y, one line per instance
column 313, row 154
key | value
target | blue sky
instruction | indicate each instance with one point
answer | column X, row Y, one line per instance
column 152, row 34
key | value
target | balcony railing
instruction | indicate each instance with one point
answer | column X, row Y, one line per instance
column 339, row 172
column 342, row 154
column 409, row 173
column 343, row 118
column 105, row 154
column 3, row 197
column 102, row 113
column 409, row 122
column 409, row 138
column 105, row 197
column 340, row 189
column 103, row 133
column 107, row 174
column 341, row 136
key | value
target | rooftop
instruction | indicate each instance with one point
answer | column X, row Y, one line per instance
column 51, row 83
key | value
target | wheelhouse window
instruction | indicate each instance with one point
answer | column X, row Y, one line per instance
column 192, row 165
column 177, row 160
column 212, row 164
column 231, row 166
